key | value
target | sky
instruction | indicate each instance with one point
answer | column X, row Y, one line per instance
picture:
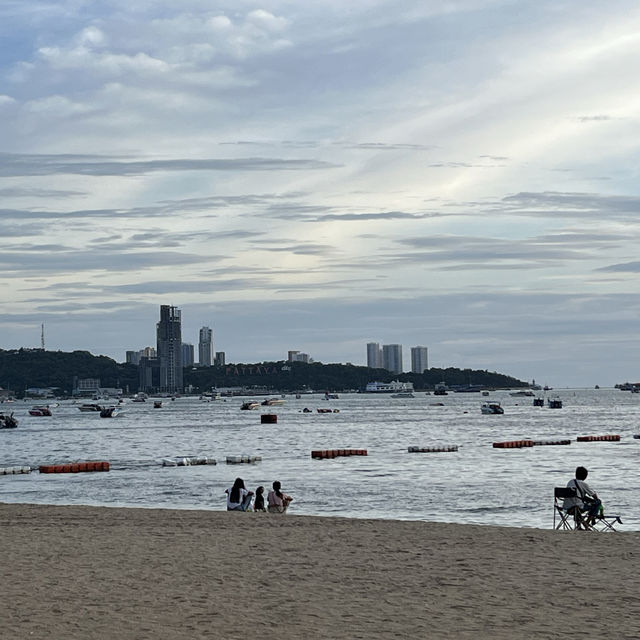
column 461, row 175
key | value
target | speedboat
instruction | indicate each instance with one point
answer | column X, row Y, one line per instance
column 248, row 406
column 7, row 421
column 554, row 403
column 42, row 410
column 492, row 408
column 90, row 406
column 538, row 402
column 271, row 402
column 111, row 412
column 157, row 404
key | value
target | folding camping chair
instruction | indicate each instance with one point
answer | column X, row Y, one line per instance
column 575, row 520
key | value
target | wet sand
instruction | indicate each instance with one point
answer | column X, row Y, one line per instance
column 97, row 572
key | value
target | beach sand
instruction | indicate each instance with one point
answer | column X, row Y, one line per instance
column 97, row 572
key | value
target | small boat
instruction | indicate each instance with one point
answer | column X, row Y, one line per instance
column 111, row 412
column 139, row 397
column 440, row 390
column 485, row 393
column 554, row 403
column 157, row 404
column 40, row 411
column 90, row 406
column 404, row 394
column 271, row 402
column 7, row 421
column 248, row 406
column 522, row 393
column 331, row 396
column 538, row 402
column 492, row 408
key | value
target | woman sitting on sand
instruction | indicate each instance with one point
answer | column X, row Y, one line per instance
column 276, row 500
column 238, row 498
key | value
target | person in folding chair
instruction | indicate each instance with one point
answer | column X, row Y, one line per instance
column 585, row 504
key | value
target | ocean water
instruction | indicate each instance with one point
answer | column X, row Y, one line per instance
column 476, row 484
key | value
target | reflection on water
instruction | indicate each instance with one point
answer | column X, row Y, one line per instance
column 476, row 484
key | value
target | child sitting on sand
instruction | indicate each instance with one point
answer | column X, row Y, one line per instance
column 277, row 500
column 258, row 503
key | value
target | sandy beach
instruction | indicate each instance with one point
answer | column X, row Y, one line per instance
column 96, row 572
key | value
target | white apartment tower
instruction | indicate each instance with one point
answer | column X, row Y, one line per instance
column 419, row 361
column 205, row 347
column 374, row 355
column 392, row 357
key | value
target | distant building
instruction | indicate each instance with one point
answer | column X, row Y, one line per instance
column 392, row 357
column 85, row 386
column 220, row 359
column 374, row 355
column 301, row 357
column 149, row 374
column 169, row 338
column 134, row 357
column 187, row 354
column 419, row 360
column 205, row 347
column 291, row 355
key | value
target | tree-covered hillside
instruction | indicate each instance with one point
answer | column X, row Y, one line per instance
column 24, row 368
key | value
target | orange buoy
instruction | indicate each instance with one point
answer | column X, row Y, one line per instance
column 513, row 444
column 320, row 454
column 75, row 467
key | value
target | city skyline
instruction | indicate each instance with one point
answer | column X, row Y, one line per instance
column 456, row 174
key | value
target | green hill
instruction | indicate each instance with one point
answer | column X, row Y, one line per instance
column 24, row 368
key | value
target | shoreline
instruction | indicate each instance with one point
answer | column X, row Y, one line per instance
column 134, row 573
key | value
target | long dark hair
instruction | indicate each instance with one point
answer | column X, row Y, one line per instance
column 234, row 496
column 276, row 488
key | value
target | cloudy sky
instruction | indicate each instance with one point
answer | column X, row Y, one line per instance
column 317, row 175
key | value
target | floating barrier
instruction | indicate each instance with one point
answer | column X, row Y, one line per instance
column 243, row 459
column 268, row 418
column 187, row 461
column 608, row 438
column 76, row 467
column 540, row 443
column 513, row 444
column 335, row 453
column 7, row 471
column 453, row 447
column 637, row 436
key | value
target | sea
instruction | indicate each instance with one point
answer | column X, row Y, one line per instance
column 476, row 484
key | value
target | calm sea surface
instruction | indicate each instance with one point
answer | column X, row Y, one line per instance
column 478, row 484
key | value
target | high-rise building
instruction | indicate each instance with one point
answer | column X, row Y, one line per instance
column 187, row 354
column 220, row 359
column 374, row 355
column 392, row 357
column 205, row 347
column 419, row 361
column 291, row 355
column 169, row 336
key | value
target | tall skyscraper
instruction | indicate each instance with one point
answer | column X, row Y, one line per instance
column 187, row 354
column 220, row 359
column 419, row 361
column 169, row 336
column 205, row 347
column 392, row 357
column 374, row 355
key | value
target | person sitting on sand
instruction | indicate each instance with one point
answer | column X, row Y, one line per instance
column 585, row 500
column 238, row 498
column 277, row 500
column 258, row 503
